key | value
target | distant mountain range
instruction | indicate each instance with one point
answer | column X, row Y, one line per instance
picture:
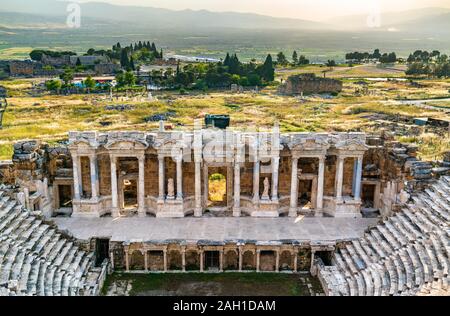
column 158, row 18
column 54, row 11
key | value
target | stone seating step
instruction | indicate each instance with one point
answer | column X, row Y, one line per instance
column 25, row 274
column 76, row 262
column 9, row 220
column 361, row 253
column 375, row 246
column 348, row 261
column 39, row 245
column 417, row 219
column 436, row 209
column 443, row 260
column 376, row 280
column 358, row 261
column 392, row 240
column 27, row 223
column 41, row 279
column 387, row 249
column 407, row 265
column 70, row 257
column 7, row 263
column 426, row 262
column 33, row 278
column 401, row 274
column 7, row 207
column 65, row 284
column 37, row 234
column 394, row 230
column 55, row 251
column 407, row 229
column 17, row 265
column 49, row 279
column 62, row 254
column 361, row 286
column 374, row 257
column 433, row 259
column 15, row 224
column 418, row 272
column 57, row 282
column 440, row 203
column 27, row 234
column 368, row 283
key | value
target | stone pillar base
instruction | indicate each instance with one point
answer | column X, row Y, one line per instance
column 198, row 212
column 142, row 213
column 293, row 212
column 115, row 212
column 237, row 212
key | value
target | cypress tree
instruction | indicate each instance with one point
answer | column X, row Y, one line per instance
column 132, row 63
column 267, row 70
column 124, row 61
column 226, row 62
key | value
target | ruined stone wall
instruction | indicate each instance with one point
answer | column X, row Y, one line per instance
column 285, row 174
column 189, row 179
column 309, row 83
column 86, row 176
column 151, row 176
column 104, row 170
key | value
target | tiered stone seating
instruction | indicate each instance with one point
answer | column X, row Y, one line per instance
column 36, row 260
column 408, row 254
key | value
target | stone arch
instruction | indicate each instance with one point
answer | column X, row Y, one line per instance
column 192, row 260
column 174, row 260
column 286, row 259
column 249, row 260
column 155, row 260
column 268, row 260
column 231, row 260
column 137, row 261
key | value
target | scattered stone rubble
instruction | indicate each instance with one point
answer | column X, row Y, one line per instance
column 309, row 83
column 38, row 260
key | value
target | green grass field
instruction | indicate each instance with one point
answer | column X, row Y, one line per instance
column 223, row 284
column 51, row 117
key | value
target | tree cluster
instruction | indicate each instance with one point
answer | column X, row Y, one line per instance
column 432, row 64
column 376, row 55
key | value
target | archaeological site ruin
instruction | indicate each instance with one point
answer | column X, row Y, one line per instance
column 358, row 211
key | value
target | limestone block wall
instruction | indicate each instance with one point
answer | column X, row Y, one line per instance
column 104, row 169
column 151, row 175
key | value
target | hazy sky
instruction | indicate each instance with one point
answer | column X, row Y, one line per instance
column 307, row 9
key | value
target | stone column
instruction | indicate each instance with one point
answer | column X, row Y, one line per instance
column 146, row 260
column 111, row 258
column 339, row 178
column 240, row 258
column 294, row 188
column 256, row 171
column 179, row 162
column 320, row 183
column 165, row 260
column 201, row 261
column 221, row 261
column 95, row 185
column 277, row 261
column 313, row 253
column 76, row 177
column 295, row 261
column 141, row 188
column 258, row 259
column 358, row 179
column 198, row 212
column 161, row 180
column 127, row 260
column 183, row 259
column 275, row 178
column 237, row 190
column 114, row 195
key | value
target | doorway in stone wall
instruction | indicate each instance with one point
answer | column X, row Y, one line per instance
column 212, row 260
column 217, row 190
column 130, row 199
column 101, row 251
column 64, row 195
column 305, row 188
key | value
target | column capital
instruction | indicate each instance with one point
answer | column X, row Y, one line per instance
column 322, row 159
